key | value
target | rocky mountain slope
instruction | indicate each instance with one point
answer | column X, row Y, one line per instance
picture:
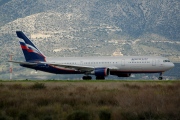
column 134, row 17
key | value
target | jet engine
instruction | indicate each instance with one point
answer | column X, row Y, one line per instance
column 100, row 72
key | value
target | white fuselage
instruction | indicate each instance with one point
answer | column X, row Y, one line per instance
column 129, row 64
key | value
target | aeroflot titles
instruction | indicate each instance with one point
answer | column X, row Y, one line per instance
column 139, row 58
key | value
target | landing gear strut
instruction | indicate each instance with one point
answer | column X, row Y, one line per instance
column 86, row 77
column 160, row 76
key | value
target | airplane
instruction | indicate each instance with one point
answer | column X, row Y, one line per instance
column 101, row 67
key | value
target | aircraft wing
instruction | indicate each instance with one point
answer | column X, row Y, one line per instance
column 76, row 67
column 24, row 63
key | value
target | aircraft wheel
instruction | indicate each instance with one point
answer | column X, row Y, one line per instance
column 86, row 77
column 160, row 78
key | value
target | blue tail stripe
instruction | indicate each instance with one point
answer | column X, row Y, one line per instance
column 21, row 35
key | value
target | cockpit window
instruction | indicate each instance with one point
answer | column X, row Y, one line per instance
column 166, row 60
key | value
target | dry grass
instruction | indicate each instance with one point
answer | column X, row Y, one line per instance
column 90, row 100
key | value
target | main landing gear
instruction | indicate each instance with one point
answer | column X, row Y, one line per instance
column 90, row 78
column 160, row 76
column 86, row 77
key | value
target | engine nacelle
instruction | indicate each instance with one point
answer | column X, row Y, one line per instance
column 100, row 72
column 124, row 75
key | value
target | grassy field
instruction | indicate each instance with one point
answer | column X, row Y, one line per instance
column 89, row 100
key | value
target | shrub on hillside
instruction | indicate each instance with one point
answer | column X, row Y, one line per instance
column 38, row 86
column 1, row 85
column 79, row 115
column 23, row 116
column 105, row 115
column 16, row 86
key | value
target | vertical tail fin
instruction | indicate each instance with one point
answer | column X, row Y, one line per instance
column 31, row 52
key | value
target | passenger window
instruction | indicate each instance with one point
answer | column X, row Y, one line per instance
column 166, row 60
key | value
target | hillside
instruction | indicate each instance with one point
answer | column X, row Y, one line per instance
column 134, row 17
column 91, row 28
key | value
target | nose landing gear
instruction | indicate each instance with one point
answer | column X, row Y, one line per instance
column 160, row 76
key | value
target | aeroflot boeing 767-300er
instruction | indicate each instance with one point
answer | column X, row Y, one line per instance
column 101, row 67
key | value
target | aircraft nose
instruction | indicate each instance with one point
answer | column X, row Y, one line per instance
column 171, row 65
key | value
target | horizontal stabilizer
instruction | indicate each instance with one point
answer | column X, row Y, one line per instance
column 24, row 63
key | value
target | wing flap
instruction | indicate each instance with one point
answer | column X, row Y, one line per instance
column 76, row 67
